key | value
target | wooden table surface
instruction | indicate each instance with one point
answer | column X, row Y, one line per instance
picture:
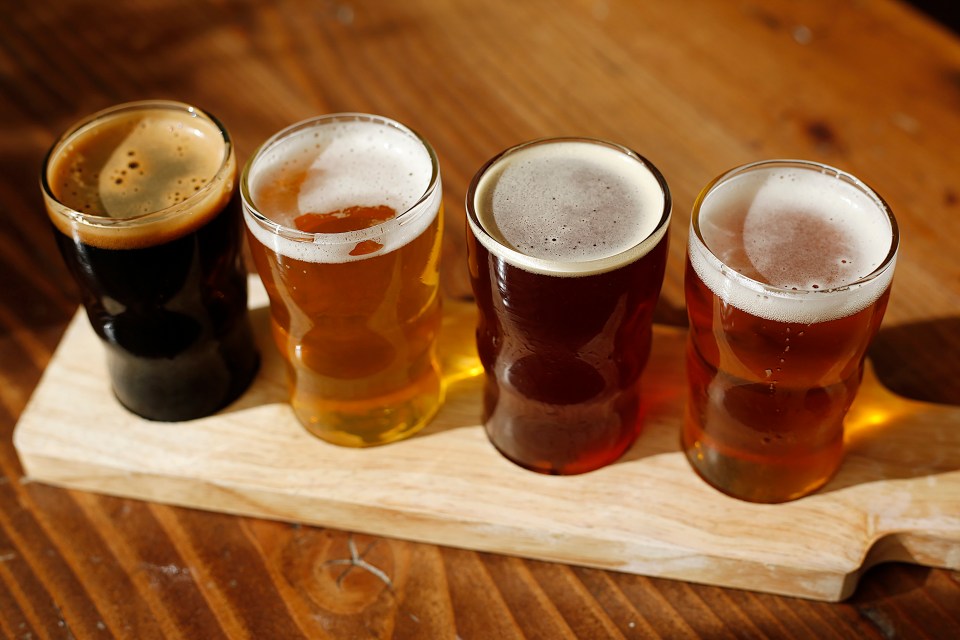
column 872, row 87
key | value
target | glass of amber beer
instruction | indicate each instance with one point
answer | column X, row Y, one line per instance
column 344, row 214
column 145, row 210
column 567, row 246
column 788, row 272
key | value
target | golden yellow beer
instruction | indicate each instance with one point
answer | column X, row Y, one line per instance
column 344, row 214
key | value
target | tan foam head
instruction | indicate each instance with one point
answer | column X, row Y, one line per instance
column 139, row 174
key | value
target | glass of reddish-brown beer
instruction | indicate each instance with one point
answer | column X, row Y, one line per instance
column 344, row 214
column 567, row 246
column 788, row 273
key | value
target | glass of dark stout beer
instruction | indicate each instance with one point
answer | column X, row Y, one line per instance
column 145, row 211
column 567, row 246
column 788, row 272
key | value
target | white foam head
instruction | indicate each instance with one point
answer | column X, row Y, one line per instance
column 331, row 163
column 569, row 206
column 793, row 241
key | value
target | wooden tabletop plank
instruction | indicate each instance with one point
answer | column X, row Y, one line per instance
column 872, row 87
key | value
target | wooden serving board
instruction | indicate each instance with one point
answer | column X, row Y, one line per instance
column 897, row 496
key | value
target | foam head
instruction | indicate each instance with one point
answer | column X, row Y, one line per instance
column 138, row 163
column 331, row 164
column 138, row 174
column 569, row 206
column 793, row 241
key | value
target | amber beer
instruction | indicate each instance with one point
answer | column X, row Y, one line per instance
column 567, row 246
column 344, row 214
column 788, row 274
column 145, row 211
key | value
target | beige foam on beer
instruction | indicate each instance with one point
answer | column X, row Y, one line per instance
column 138, row 168
column 166, row 158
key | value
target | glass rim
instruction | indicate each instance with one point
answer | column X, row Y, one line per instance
column 319, row 237
column 806, row 165
column 91, row 121
column 556, row 267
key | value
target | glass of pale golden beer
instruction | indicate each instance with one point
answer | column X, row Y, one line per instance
column 145, row 210
column 344, row 214
column 567, row 246
column 788, row 273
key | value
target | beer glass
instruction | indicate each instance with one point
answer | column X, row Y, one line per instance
column 567, row 246
column 788, row 272
column 143, row 202
column 344, row 214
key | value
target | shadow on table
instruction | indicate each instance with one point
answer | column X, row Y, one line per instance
column 887, row 579
column 943, row 11
column 890, row 436
column 920, row 360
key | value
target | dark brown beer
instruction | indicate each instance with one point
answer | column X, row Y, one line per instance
column 788, row 276
column 567, row 248
column 146, row 215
